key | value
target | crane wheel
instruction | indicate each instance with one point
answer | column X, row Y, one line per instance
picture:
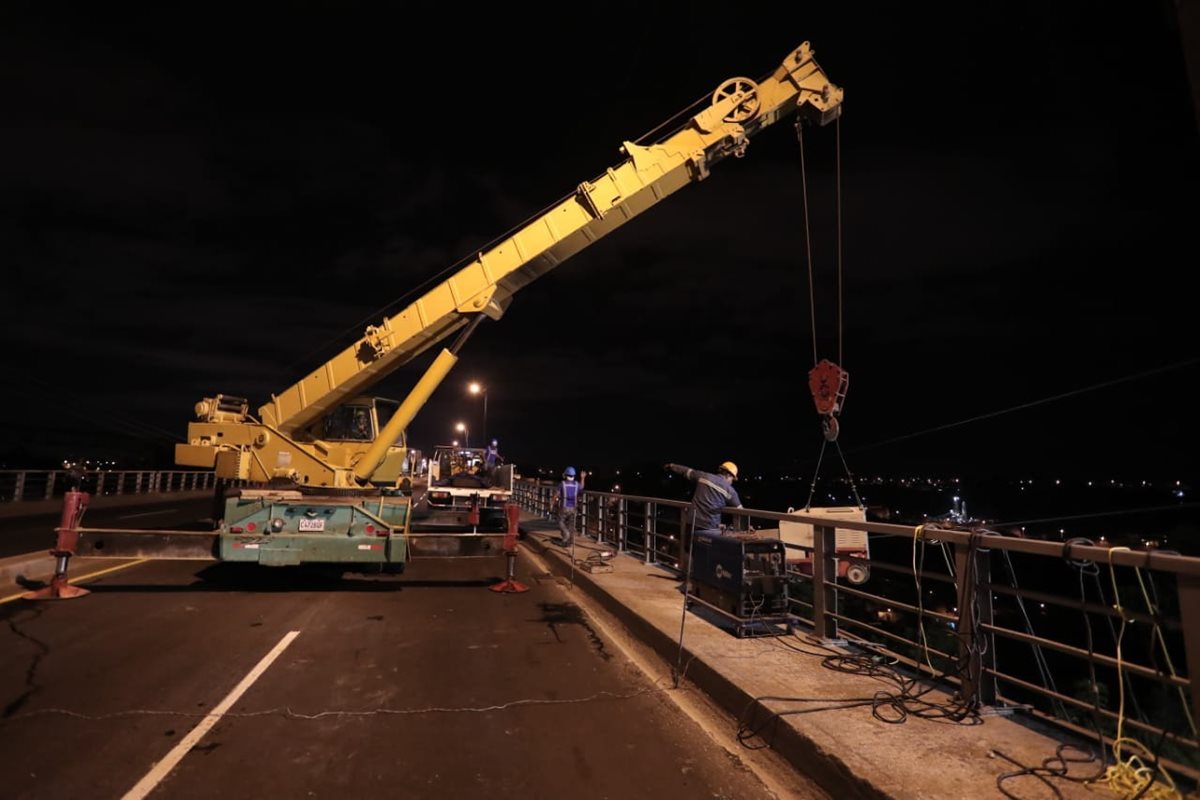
column 747, row 109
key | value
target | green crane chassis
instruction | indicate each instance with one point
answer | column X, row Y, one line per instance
column 366, row 532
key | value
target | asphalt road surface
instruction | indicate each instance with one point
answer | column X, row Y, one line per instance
column 423, row 685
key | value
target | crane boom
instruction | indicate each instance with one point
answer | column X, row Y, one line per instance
column 301, row 435
column 596, row 208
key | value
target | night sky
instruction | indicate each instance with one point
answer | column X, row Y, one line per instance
column 207, row 199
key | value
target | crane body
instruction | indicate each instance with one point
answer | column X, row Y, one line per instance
column 327, row 458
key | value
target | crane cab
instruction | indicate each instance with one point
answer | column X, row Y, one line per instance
column 345, row 432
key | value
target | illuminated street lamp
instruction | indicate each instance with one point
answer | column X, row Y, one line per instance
column 462, row 428
column 476, row 388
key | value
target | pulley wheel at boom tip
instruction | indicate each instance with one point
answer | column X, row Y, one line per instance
column 745, row 110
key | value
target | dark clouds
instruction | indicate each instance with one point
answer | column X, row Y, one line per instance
column 203, row 201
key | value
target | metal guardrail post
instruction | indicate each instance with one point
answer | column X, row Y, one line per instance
column 683, row 534
column 1189, row 618
column 649, row 533
column 599, row 521
column 825, row 599
column 976, row 648
column 19, row 487
column 50, row 485
column 622, row 524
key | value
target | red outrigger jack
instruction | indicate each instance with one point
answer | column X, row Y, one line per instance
column 511, row 584
column 74, row 504
column 828, row 383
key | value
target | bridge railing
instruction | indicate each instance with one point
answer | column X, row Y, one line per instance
column 25, row 485
column 1101, row 641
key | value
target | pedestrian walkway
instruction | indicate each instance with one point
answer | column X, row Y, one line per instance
column 836, row 727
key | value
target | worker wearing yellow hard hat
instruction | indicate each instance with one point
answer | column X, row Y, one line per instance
column 714, row 491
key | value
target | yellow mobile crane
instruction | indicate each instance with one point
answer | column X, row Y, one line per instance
column 331, row 458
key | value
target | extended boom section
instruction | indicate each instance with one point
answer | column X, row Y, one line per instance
column 740, row 108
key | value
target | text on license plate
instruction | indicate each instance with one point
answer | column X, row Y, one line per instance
column 312, row 524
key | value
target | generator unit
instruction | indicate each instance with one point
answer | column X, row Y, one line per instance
column 741, row 575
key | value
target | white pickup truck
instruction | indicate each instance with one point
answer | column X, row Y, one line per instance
column 460, row 478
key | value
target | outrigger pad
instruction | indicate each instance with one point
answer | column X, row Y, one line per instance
column 57, row 590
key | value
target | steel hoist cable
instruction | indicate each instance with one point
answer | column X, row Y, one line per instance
column 827, row 381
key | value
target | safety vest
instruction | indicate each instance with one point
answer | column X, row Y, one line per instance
column 569, row 492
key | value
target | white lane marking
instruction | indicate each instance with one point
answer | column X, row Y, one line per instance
column 147, row 514
column 164, row 767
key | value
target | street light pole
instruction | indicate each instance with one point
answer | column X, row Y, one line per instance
column 462, row 428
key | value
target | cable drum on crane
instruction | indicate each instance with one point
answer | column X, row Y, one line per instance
column 747, row 107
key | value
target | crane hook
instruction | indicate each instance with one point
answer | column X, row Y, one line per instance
column 828, row 383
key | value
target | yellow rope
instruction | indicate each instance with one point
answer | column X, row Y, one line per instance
column 1129, row 776
column 918, row 533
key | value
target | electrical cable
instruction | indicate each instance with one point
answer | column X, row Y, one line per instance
column 921, row 640
column 287, row 712
column 1039, row 657
column 1056, row 766
column 1098, row 514
column 894, row 707
column 1031, row 404
column 677, row 673
column 1094, row 571
column 1156, row 633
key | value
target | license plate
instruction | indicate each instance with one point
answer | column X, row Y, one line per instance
column 312, row 524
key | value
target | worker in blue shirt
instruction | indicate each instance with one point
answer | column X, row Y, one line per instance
column 491, row 459
column 566, row 501
column 714, row 492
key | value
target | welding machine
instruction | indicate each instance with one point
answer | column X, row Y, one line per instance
column 742, row 575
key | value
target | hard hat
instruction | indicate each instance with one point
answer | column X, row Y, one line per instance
column 495, row 442
column 730, row 467
column 569, row 472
